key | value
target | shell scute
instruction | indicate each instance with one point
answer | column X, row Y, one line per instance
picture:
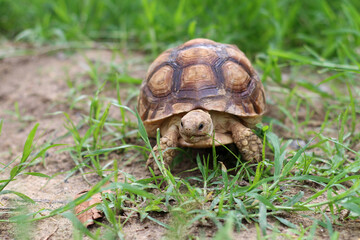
column 236, row 78
column 190, row 56
column 197, row 77
column 160, row 82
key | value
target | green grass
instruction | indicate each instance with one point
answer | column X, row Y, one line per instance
column 307, row 54
column 27, row 159
column 327, row 28
column 216, row 196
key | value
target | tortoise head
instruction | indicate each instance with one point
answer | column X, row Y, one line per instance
column 196, row 126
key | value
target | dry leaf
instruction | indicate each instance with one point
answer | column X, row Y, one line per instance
column 88, row 217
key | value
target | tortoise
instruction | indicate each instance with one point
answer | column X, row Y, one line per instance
column 199, row 94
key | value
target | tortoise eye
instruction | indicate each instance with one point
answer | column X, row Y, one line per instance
column 181, row 123
column 201, row 126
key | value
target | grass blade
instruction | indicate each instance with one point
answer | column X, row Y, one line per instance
column 28, row 144
column 21, row 195
column 306, row 60
column 262, row 218
column 287, row 168
column 1, row 124
column 286, row 222
column 78, row 225
column 274, row 140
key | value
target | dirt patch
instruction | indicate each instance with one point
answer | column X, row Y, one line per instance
column 32, row 89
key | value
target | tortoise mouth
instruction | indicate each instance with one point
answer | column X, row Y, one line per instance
column 217, row 140
column 194, row 138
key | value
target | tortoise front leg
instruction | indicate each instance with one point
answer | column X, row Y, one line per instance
column 249, row 145
column 167, row 143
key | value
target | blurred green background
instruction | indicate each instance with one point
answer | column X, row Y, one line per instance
column 322, row 28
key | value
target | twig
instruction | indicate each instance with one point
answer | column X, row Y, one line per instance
column 51, row 234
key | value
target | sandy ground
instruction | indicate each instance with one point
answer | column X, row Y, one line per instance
column 38, row 85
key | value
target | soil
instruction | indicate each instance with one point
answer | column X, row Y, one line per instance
column 38, row 85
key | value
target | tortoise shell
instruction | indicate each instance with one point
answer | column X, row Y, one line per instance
column 201, row 74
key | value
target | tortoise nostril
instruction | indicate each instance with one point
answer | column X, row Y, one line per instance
column 201, row 126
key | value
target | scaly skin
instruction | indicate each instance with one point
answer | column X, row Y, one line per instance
column 249, row 145
column 169, row 140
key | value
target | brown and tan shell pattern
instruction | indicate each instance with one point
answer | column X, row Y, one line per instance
column 200, row 74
